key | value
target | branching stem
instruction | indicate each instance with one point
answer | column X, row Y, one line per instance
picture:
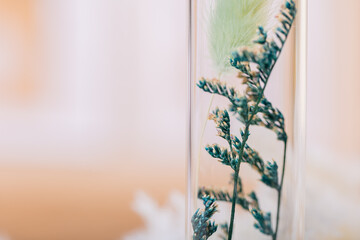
column 265, row 60
column 245, row 137
column 237, row 170
column 279, row 192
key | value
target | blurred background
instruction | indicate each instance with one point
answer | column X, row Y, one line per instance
column 93, row 119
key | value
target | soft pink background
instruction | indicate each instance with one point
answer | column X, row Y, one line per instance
column 93, row 108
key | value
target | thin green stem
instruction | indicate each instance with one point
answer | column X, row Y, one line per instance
column 237, row 169
column 233, row 203
column 279, row 192
column 206, row 119
column 205, row 123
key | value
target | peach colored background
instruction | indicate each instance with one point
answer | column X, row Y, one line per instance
column 93, row 103
column 87, row 114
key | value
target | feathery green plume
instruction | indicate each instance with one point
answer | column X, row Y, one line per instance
column 233, row 24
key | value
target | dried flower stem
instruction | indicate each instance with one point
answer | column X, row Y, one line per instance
column 279, row 192
column 252, row 108
column 244, row 140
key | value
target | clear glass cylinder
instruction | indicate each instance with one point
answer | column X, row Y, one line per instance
column 246, row 125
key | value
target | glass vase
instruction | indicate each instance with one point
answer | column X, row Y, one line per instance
column 246, row 119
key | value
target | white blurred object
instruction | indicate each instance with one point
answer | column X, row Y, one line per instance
column 161, row 223
column 4, row 237
column 168, row 222
column 332, row 196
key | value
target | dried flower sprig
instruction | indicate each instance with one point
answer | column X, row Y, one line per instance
column 249, row 203
column 255, row 65
column 203, row 227
column 225, row 229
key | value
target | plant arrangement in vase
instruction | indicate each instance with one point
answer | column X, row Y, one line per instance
column 254, row 65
